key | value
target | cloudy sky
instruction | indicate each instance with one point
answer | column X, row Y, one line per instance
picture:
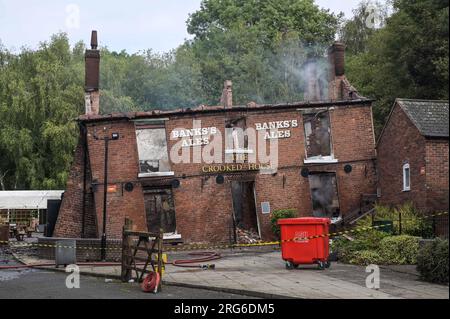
column 131, row 25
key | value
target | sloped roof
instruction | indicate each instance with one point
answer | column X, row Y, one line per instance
column 27, row 199
column 430, row 117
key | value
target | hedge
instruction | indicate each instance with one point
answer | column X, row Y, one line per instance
column 432, row 261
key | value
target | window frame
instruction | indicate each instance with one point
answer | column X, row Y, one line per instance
column 324, row 158
column 406, row 177
column 153, row 124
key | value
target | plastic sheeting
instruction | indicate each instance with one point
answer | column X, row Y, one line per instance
column 27, row 199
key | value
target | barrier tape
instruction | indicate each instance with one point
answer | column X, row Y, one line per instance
column 224, row 246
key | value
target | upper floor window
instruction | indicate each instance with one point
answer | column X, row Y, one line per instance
column 406, row 177
column 236, row 140
column 152, row 149
column 318, row 136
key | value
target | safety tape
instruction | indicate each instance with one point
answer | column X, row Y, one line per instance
column 223, row 246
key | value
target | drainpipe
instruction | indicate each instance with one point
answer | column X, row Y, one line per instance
column 85, row 160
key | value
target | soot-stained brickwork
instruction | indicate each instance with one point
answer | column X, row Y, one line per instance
column 325, row 163
column 204, row 207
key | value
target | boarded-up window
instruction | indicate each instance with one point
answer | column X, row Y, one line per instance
column 237, row 140
column 317, row 134
column 235, row 129
column 324, row 195
column 160, row 210
column 152, row 149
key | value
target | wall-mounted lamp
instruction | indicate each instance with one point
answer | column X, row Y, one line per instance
column 220, row 179
column 129, row 187
column 176, row 183
column 305, row 172
column 348, row 168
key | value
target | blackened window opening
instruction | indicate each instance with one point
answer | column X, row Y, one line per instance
column 324, row 195
column 237, row 140
column 317, row 134
column 152, row 148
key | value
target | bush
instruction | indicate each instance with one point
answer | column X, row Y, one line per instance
column 413, row 223
column 365, row 257
column 432, row 261
column 399, row 250
column 347, row 250
column 281, row 214
column 375, row 247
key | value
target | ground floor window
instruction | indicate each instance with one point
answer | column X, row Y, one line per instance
column 324, row 194
column 160, row 210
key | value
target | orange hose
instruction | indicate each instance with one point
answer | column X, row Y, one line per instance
column 205, row 256
column 151, row 282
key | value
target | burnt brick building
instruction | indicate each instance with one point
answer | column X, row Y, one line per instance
column 413, row 155
column 326, row 163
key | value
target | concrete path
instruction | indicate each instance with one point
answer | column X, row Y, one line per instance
column 263, row 274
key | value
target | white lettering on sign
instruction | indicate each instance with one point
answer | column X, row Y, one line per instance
column 277, row 129
column 197, row 136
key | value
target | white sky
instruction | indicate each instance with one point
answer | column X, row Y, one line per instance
column 130, row 25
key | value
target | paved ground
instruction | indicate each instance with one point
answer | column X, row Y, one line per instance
column 40, row 284
column 262, row 273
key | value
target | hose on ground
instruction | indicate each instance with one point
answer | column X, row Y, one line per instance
column 196, row 262
column 188, row 263
column 151, row 282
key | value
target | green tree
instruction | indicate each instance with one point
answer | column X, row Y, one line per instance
column 253, row 43
column 367, row 18
column 41, row 92
column 407, row 58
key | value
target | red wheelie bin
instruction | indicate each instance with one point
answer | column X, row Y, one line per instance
column 297, row 246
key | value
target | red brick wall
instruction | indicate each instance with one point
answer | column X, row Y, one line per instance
column 123, row 167
column 69, row 223
column 437, row 175
column 401, row 142
column 203, row 207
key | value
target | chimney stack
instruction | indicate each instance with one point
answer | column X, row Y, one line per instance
column 92, row 77
column 336, row 58
column 227, row 94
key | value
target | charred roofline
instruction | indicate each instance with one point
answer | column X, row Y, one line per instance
column 210, row 110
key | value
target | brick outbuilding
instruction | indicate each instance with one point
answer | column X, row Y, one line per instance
column 326, row 164
column 413, row 155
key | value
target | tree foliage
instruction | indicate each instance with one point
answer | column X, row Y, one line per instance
column 260, row 45
column 407, row 58
column 40, row 92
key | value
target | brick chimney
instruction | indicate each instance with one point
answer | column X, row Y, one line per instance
column 92, row 77
column 336, row 58
column 227, row 94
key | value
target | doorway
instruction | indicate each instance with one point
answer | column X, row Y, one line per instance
column 246, row 222
column 324, row 195
column 160, row 210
